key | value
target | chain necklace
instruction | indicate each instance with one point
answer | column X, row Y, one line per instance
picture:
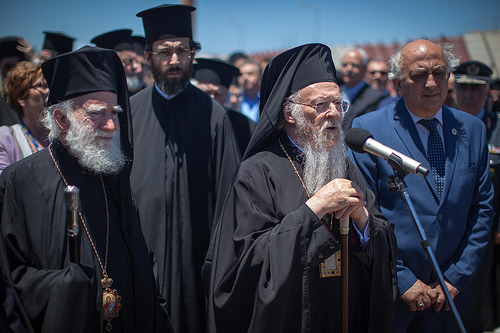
column 110, row 299
column 332, row 265
column 300, row 178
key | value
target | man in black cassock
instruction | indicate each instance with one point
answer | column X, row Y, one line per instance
column 185, row 157
column 89, row 122
column 214, row 76
column 274, row 256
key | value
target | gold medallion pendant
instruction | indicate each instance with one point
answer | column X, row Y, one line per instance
column 331, row 266
column 110, row 301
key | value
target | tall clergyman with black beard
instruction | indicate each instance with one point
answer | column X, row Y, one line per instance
column 112, row 287
column 185, row 157
column 274, row 257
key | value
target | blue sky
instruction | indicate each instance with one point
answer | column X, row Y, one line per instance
column 224, row 26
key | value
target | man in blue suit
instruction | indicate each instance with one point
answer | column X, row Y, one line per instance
column 453, row 203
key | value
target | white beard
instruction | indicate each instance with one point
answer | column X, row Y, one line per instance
column 134, row 83
column 321, row 165
column 99, row 159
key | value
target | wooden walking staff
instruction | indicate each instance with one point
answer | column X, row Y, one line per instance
column 344, row 269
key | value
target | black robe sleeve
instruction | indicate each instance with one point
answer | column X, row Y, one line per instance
column 53, row 299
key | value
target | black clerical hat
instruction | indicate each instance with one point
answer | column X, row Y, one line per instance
column 139, row 43
column 215, row 71
column 167, row 21
column 472, row 72
column 285, row 74
column 83, row 71
column 116, row 40
column 8, row 47
column 58, row 42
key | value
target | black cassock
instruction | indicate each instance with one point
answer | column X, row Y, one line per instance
column 268, row 247
column 185, row 155
column 55, row 295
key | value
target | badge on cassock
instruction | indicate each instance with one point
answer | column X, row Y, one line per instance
column 331, row 266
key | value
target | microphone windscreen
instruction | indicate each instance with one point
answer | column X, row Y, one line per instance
column 355, row 138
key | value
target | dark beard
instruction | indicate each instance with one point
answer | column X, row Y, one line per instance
column 168, row 86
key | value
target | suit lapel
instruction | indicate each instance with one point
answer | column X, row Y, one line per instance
column 451, row 129
column 407, row 132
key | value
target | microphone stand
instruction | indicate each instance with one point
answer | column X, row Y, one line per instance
column 396, row 183
column 344, row 275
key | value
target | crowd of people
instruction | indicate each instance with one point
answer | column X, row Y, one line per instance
column 221, row 195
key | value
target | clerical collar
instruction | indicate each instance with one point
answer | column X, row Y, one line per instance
column 168, row 97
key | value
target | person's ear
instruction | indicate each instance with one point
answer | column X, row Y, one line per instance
column 287, row 115
column 147, row 57
column 21, row 102
column 62, row 120
column 397, row 84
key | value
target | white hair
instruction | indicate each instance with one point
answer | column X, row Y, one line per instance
column 395, row 71
column 321, row 165
column 48, row 120
column 80, row 140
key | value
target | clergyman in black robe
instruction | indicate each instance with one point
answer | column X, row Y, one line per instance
column 185, row 155
column 53, row 293
column 214, row 76
column 272, row 240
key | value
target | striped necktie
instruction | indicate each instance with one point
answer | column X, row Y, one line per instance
column 435, row 154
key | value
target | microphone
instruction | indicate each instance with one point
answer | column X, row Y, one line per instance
column 361, row 141
column 72, row 198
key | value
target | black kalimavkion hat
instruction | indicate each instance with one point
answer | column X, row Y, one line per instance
column 215, row 71
column 57, row 41
column 167, row 21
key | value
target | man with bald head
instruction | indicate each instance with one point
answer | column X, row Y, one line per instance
column 453, row 203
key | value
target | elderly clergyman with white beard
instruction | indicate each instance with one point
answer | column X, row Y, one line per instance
column 273, row 259
column 112, row 286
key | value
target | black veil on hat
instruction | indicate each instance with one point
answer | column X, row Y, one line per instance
column 286, row 73
column 167, row 21
column 86, row 70
column 58, row 41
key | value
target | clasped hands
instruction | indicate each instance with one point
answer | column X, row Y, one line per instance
column 342, row 197
column 421, row 296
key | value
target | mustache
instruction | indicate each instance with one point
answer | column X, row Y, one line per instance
column 174, row 69
column 332, row 123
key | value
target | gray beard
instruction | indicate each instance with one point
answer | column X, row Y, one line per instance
column 321, row 165
column 134, row 83
column 81, row 142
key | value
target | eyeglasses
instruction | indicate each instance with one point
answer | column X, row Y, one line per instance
column 40, row 87
column 383, row 73
column 340, row 106
column 166, row 54
column 130, row 62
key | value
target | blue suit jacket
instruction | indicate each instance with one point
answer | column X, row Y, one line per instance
column 458, row 225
